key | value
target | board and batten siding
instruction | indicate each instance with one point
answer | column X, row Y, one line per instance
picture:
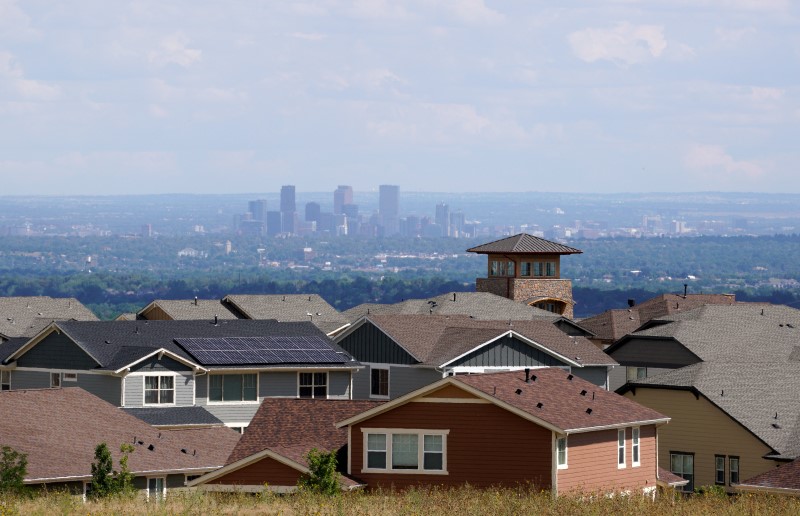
column 184, row 389
column 57, row 351
column 367, row 343
column 507, row 352
column 402, row 380
column 592, row 463
column 667, row 353
column 486, row 446
column 699, row 427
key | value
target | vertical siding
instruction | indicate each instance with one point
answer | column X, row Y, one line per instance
column 153, row 364
column 486, row 446
column 339, row 385
column 278, row 384
column 596, row 375
column 507, row 351
column 699, row 427
column 369, row 344
column 592, row 463
column 184, row 390
column 21, row 379
column 266, row 471
column 56, row 351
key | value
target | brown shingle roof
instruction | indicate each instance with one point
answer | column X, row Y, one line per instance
column 524, row 243
column 670, row 478
column 612, row 325
column 27, row 316
column 288, row 308
column 786, row 476
column 59, row 429
column 562, row 404
column 189, row 309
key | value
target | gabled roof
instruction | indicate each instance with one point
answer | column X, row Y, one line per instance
column 785, row 479
column 288, row 308
column 743, row 332
column 175, row 416
column 553, row 398
column 27, row 316
column 751, row 393
column 188, row 309
column 436, row 340
column 60, row 440
column 119, row 344
column 479, row 305
column 523, row 243
column 612, row 325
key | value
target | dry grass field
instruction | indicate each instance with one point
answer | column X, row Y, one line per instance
column 422, row 502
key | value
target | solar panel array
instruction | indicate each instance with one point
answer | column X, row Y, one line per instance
column 262, row 350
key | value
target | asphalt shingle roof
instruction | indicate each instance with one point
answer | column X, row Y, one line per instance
column 785, row 476
column 288, row 308
column 189, row 309
column 27, row 316
column 175, row 416
column 524, row 243
column 58, row 429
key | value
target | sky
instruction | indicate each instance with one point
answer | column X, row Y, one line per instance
column 192, row 96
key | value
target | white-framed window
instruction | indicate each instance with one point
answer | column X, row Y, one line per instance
column 405, row 451
column 379, row 382
column 237, row 427
column 232, row 388
column 69, row 377
column 621, row 448
column 5, row 380
column 189, row 478
column 312, row 385
column 159, row 390
column 636, row 373
column 635, row 458
column 733, row 469
column 719, row 470
column 156, row 489
column 55, row 380
column 682, row 464
column 561, row 452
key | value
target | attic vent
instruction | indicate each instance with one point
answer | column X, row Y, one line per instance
column 539, row 405
column 140, row 443
column 583, row 392
column 570, row 377
column 183, row 450
column 151, row 447
column 518, row 391
column 108, row 341
column 776, row 425
column 589, row 410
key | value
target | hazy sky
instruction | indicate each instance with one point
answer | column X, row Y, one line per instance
column 114, row 97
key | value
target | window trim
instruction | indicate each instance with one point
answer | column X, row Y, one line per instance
column 69, row 377
column 421, row 433
column 565, row 464
column 717, row 471
column 163, row 488
column 738, row 469
column 636, row 444
column 223, row 402
column 314, row 385
column 686, row 488
column 159, row 404
column 388, row 382
column 57, row 384
column 621, row 464
column 5, row 380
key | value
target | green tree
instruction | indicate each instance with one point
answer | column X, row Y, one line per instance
column 322, row 476
column 13, row 468
column 102, row 469
column 124, row 479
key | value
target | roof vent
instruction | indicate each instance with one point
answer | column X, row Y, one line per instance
column 108, row 341
column 762, row 311
column 776, row 425
column 183, row 450
column 589, row 410
column 527, row 375
column 533, row 377
column 140, row 443
column 789, row 325
column 631, row 303
column 454, row 296
column 583, row 392
column 518, row 391
column 195, row 300
column 722, row 393
column 216, row 320
column 570, row 377
column 151, row 447
column 539, row 405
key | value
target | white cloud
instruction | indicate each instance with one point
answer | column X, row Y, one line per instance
column 714, row 162
column 726, row 35
column 26, row 88
column 174, row 49
column 15, row 23
column 623, row 44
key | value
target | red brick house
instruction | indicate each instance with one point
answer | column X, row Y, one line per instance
column 552, row 430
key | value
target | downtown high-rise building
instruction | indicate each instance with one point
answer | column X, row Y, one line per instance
column 288, row 209
column 442, row 218
column 342, row 196
column 389, row 208
column 258, row 210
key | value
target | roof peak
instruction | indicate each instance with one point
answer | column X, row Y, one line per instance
column 524, row 243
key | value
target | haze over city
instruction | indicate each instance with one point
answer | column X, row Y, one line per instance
column 143, row 97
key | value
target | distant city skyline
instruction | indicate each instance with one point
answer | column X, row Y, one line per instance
column 612, row 96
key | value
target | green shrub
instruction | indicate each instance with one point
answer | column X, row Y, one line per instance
column 13, row 468
column 322, row 477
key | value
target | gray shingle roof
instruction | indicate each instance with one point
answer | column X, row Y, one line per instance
column 288, row 308
column 751, row 393
column 27, row 316
column 175, row 416
column 480, row 305
column 189, row 309
column 524, row 243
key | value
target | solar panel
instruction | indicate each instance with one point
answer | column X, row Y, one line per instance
column 272, row 350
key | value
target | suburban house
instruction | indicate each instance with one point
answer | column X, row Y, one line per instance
column 27, row 316
column 783, row 480
column 731, row 419
column 527, row 269
column 184, row 373
column 746, row 332
column 272, row 453
column 542, row 427
column 58, row 430
column 402, row 353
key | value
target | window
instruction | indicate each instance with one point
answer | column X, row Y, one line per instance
column 537, row 269
column 733, row 468
column 55, row 380
column 379, row 382
column 189, row 478
column 233, row 387
column 501, row 268
column 719, row 470
column 636, row 373
column 510, row 269
column 156, row 489
column 405, row 451
column 313, row 385
column 561, row 452
column 159, row 390
column 550, row 268
column 682, row 464
column 69, row 377
column 621, row 448
column 495, row 268
column 525, row 268
column 5, row 380
column 635, row 447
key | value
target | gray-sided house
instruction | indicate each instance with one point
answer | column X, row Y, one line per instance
column 58, row 430
column 405, row 352
column 185, row 373
column 747, row 332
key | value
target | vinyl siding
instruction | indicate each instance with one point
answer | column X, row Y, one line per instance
column 699, row 427
column 402, row 380
column 596, row 375
column 233, row 413
column 666, row 353
column 21, row 379
column 339, row 385
column 369, row 344
column 278, row 384
column 507, row 352
column 108, row 388
column 265, row 471
column 56, row 351
column 153, row 364
column 184, row 390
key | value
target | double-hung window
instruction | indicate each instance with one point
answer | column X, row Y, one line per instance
column 379, row 382
column 561, row 452
column 682, row 464
column 405, row 451
column 635, row 447
column 719, row 470
column 233, row 387
column 313, row 385
column 621, row 448
column 733, row 469
column 159, row 390
column 5, row 380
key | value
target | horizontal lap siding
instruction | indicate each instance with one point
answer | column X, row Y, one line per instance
column 108, row 388
column 278, row 384
column 339, row 385
column 266, row 471
column 486, row 446
column 403, row 380
column 184, row 390
column 29, row 380
column 233, row 413
column 592, row 462
column 596, row 375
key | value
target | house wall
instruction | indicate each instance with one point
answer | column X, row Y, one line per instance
column 22, row 379
column 56, row 351
column 402, row 380
column 699, row 427
column 339, row 385
column 153, row 364
column 369, row 344
column 486, row 446
column 507, row 352
column 105, row 387
column 664, row 353
column 184, row 389
column 156, row 314
column 265, row 471
column 596, row 375
column 592, row 462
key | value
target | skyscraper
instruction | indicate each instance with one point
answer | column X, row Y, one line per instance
column 443, row 218
column 389, row 208
column 312, row 211
column 258, row 210
column 341, row 196
column 288, row 208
